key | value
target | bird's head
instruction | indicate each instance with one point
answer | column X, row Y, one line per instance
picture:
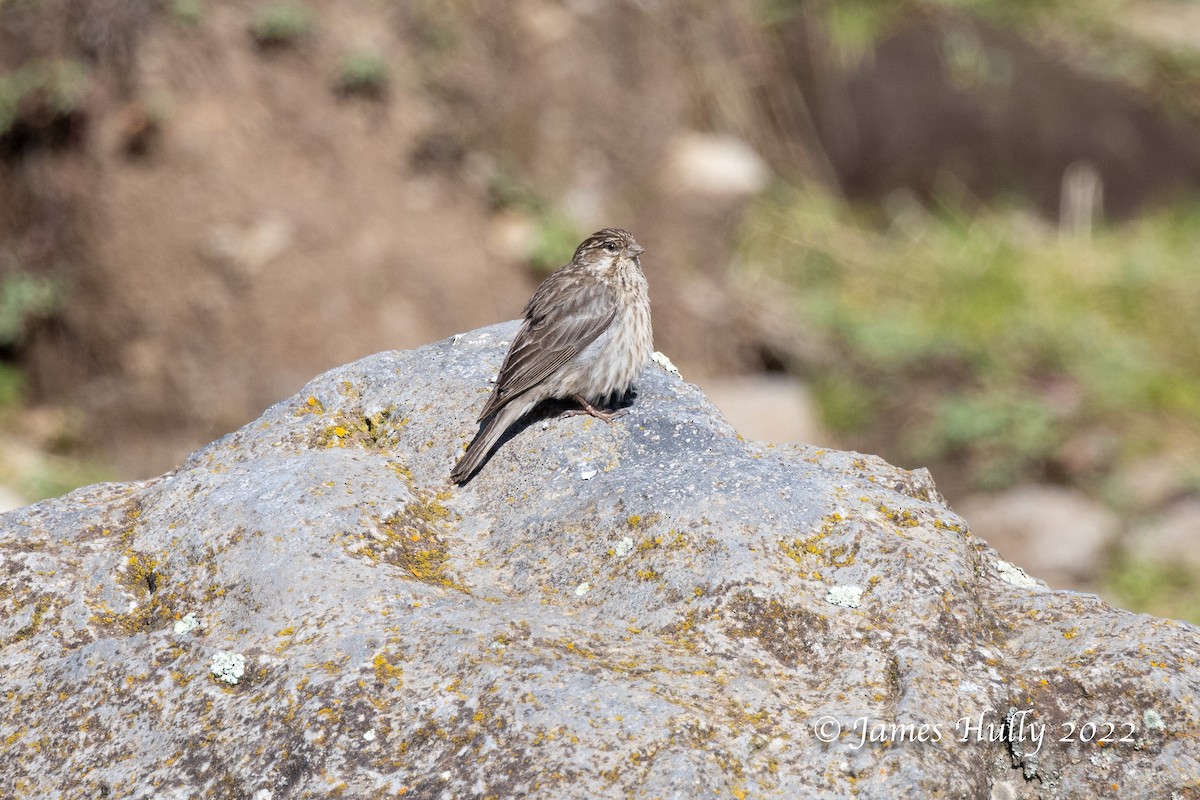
column 609, row 249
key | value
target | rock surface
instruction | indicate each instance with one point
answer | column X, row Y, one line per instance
column 652, row 608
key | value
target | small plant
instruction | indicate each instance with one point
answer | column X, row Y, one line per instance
column 187, row 13
column 24, row 297
column 12, row 388
column 363, row 73
column 41, row 90
column 281, row 25
column 556, row 240
column 987, row 342
column 1167, row 589
column 554, row 234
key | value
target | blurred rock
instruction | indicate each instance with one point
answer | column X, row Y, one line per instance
column 1171, row 537
column 512, row 235
column 246, row 250
column 1174, row 25
column 306, row 608
column 1059, row 534
column 769, row 408
column 1154, row 481
column 439, row 150
column 52, row 428
column 1087, row 454
column 710, row 164
column 549, row 23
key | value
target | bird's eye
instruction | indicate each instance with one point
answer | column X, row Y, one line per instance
column 610, row 247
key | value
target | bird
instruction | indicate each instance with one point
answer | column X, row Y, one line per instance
column 585, row 334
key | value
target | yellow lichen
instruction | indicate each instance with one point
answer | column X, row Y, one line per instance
column 40, row 608
column 410, row 539
column 385, row 671
column 311, row 406
column 904, row 518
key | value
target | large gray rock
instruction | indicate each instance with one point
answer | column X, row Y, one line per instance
column 651, row 608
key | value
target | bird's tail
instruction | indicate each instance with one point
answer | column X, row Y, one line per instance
column 488, row 435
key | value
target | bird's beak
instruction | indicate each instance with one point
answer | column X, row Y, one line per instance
column 637, row 249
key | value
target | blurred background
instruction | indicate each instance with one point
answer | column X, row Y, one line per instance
column 961, row 234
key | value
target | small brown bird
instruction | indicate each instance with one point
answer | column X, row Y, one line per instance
column 586, row 335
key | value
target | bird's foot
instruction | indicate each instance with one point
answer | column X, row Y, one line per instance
column 592, row 411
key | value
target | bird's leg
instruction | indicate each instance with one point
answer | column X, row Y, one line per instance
column 591, row 410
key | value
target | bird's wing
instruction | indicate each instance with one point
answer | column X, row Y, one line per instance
column 566, row 314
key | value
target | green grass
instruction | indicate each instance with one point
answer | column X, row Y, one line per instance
column 188, row 13
column 281, row 24
column 555, row 243
column 24, row 297
column 26, row 467
column 992, row 340
column 556, row 236
column 12, row 390
column 1165, row 590
column 55, row 85
column 53, row 476
column 984, row 347
column 363, row 73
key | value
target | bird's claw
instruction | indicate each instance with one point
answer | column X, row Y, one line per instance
column 591, row 411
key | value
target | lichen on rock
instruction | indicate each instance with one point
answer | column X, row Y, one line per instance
column 678, row 624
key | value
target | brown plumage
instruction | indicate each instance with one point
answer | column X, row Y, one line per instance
column 586, row 335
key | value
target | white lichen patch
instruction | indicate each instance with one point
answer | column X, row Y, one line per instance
column 665, row 363
column 1011, row 573
column 845, row 596
column 582, row 589
column 1153, row 720
column 369, row 736
column 623, row 547
column 587, row 472
column 228, row 667
column 186, row 624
